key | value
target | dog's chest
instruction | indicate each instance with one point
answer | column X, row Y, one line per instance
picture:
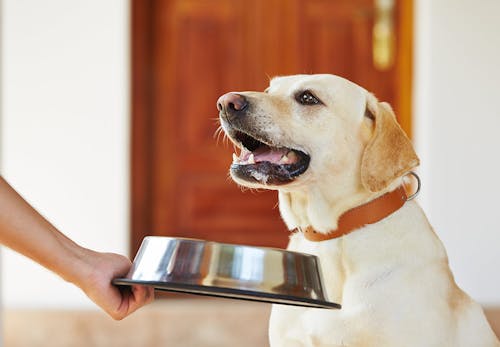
column 347, row 264
column 333, row 268
column 354, row 283
column 370, row 273
column 291, row 326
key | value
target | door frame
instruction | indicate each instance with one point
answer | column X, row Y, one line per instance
column 142, row 113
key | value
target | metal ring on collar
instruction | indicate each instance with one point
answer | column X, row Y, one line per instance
column 419, row 184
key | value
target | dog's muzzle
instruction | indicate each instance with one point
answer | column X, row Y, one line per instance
column 261, row 160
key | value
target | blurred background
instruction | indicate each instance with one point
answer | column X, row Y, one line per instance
column 107, row 127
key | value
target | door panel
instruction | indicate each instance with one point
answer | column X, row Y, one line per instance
column 186, row 53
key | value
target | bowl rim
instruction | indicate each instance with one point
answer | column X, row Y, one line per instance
column 231, row 293
column 281, row 250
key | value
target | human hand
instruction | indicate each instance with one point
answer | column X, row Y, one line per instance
column 118, row 302
column 24, row 230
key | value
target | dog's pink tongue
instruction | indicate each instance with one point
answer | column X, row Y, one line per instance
column 279, row 156
column 272, row 155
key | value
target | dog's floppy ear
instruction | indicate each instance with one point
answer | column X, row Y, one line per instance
column 389, row 153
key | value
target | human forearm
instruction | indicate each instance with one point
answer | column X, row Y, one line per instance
column 24, row 230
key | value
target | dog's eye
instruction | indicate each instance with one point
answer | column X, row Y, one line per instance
column 307, row 98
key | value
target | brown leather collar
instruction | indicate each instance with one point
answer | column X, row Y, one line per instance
column 355, row 218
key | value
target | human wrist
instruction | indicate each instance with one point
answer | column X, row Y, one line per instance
column 74, row 264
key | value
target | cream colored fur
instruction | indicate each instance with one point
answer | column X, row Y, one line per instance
column 392, row 277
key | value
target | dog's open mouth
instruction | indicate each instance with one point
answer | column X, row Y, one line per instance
column 263, row 163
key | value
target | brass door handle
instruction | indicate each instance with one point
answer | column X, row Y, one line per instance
column 383, row 38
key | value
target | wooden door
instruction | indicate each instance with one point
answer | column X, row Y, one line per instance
column 186, row 53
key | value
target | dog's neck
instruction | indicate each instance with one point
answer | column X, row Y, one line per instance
column 321, row 208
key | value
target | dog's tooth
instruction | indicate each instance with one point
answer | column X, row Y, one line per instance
column 251, row 159
column 284, row 159
column 292, row 157
column 235, row 158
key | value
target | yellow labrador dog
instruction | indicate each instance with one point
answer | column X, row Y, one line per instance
column 337, row 157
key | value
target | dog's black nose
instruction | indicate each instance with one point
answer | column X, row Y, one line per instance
column 232, row 102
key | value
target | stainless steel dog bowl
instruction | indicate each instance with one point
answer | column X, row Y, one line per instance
column 232, row 271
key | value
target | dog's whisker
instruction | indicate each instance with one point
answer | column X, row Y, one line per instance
column 217, row 134
column 269, row 77
column 221, row 133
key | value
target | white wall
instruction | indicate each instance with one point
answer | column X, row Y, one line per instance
column 64, row 135
column 458, row 133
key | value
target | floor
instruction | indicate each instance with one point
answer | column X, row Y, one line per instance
column 173, row 323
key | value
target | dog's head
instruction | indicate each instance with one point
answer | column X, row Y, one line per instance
column 311, row 128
